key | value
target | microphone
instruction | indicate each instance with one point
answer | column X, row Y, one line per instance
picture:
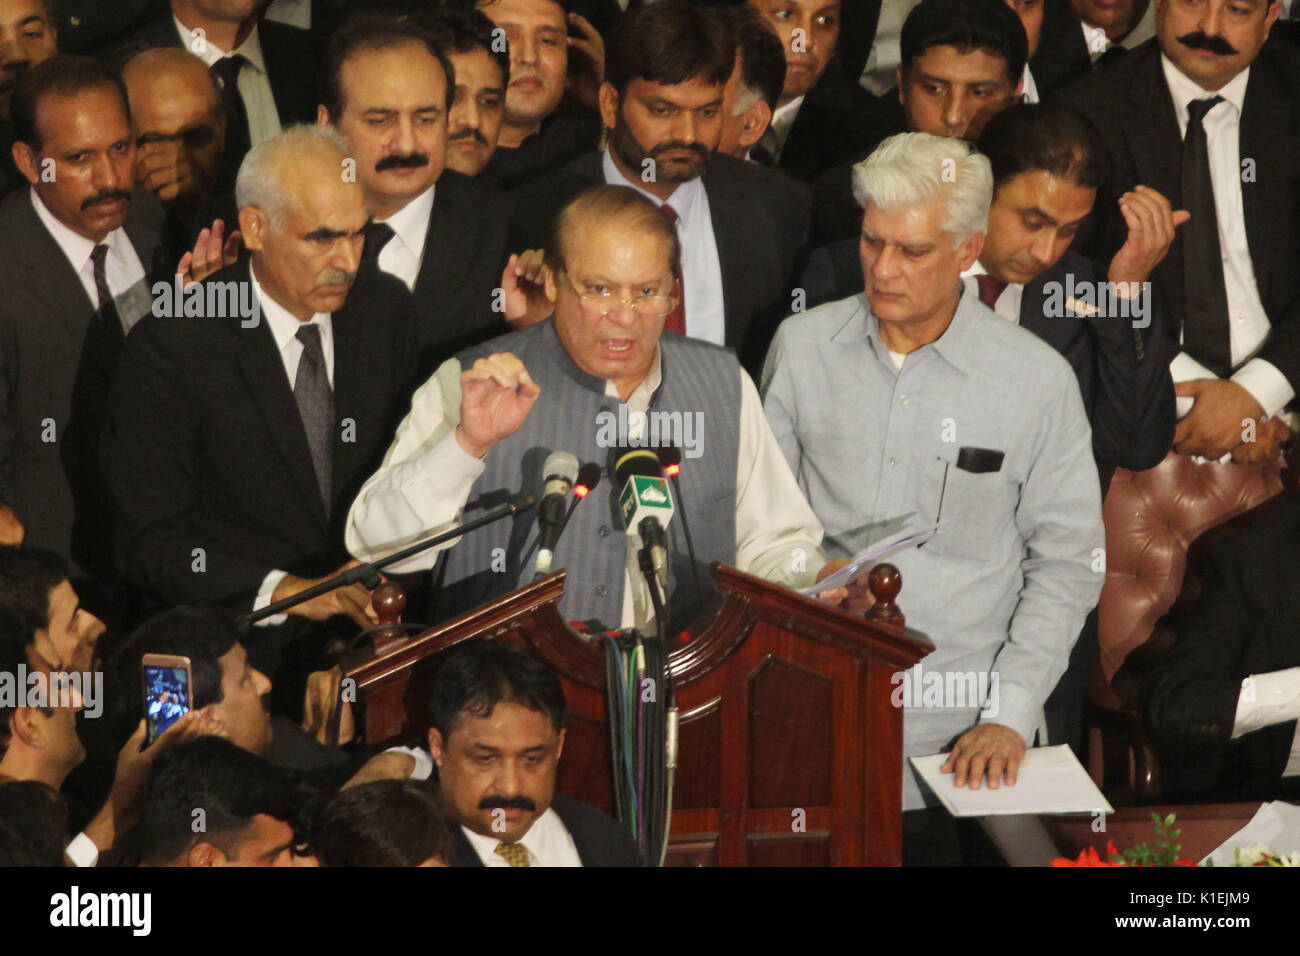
column 645, row 504
column 561, row 471
column 588, row 478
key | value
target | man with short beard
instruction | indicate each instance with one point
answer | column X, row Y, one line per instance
column 1205, row 113
column 27, row 38
column 741, row 226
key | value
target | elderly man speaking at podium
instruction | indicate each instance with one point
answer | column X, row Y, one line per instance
column 598, row 376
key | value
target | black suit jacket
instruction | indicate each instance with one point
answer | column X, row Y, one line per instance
column 460, row 269
column 601, row 840
column 54, row 373
column 288, row 52
column 1123, row 372
column 1130, row 104
column 835, row 213
column 204, row 446
column 1247, row 622
column 836, row 122
column 760, row 223
column 1062, row 54
column 858, row 22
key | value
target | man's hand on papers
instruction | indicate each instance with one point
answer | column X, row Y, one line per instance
column 496, row 396
column 1214, row 425
column 856, row 597
column 991, row 749
column 1151, row 223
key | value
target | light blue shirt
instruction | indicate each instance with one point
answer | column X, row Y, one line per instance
column 1003, row 589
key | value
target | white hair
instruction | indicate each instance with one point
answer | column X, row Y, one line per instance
column 262, row 174
column 912, row 169
column 747, row 97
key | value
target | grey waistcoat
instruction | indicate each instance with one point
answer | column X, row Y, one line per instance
column 492, row 561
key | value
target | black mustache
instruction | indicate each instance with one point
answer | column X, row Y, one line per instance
column 108, row 195
column 469, row 132
column 495, row 802
column 693, row 147
column 410, row 161
column 1215, row 44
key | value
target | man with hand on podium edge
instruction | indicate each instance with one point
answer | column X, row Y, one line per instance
column 959, row 414
column 487, row 420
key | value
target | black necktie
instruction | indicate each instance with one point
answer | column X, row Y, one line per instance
column 377, row 235
column 238, row 138
column 106, row 310
column 1206, row 333
column 311, row 389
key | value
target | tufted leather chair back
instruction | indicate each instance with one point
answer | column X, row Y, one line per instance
column 1152, row 517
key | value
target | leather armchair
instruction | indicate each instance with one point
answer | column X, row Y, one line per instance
column 1158, row 522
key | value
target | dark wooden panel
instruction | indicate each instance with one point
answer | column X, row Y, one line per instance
column 698, row 784
column 698, row 849
column 789, row 736
column 584, row 771
column 801, row 849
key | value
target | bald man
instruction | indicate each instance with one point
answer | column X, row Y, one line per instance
column 178, row 125
column 238, row 438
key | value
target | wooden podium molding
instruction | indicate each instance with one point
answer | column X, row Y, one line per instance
column 790, row 750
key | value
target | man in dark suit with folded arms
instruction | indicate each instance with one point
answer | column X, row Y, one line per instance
column 742, row 227
column 1206, row 114
column 80, row 243
column 442, row 233
column 497, row 734
column 236, row 439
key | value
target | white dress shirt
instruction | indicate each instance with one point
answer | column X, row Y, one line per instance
column 293, row 13
column 401, row 255
column 547, row 841
column 122, row 266
column 1248, row 323
column 701, row 268
column 426, row 478
column 1028, row 88
column 880, row 73
column 1096, row 40
column 254, row 85
column 284, row 328
column 1268, row 699
column 1008, row 301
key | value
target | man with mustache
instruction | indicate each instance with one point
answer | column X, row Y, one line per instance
column 741, row 226
column 442, row 233
column 26, row 38
column 497, row 735
column 79, row 245
column 482, row 69
column 1205, row 113
column 236, row 439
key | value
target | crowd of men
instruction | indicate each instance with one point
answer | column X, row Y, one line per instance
column 287, row 286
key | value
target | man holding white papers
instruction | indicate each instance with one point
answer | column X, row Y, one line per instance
column 915, row 395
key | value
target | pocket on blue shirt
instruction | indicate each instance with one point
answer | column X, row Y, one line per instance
column 975, row 511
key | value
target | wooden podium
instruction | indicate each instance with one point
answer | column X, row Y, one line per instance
column 790, row 751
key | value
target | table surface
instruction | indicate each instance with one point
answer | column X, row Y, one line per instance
column 1034, row 840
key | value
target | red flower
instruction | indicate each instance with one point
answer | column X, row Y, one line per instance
column 1090, row 857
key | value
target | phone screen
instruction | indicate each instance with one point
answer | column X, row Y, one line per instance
column 166, row 697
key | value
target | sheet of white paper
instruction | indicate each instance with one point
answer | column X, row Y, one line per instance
column 1051, row 780
column 1276, row 825
column 872, row 554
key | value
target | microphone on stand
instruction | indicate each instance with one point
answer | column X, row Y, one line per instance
column 561, row 471
column 588, row 478
column 645, row 504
